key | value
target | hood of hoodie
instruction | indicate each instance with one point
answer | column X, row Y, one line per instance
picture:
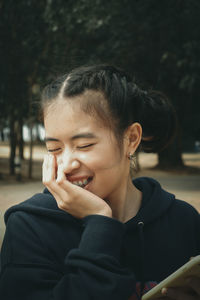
column 155, row 202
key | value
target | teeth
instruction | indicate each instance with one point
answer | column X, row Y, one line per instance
column 81, row 183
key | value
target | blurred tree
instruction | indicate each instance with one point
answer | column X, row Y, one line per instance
column 22, row 27
column 158, row 41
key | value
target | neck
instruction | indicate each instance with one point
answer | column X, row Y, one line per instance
column 127, row 204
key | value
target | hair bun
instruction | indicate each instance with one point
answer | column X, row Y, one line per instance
column 158, row 120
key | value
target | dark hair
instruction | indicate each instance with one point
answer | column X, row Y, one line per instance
column 126, row 103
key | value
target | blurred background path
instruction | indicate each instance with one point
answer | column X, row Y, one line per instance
column 184, row 185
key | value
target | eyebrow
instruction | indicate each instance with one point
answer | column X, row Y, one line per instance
column 87, row 135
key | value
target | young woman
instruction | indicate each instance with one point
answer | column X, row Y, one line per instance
column 94, row 233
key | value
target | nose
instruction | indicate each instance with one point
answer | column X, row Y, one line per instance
column 69, row 161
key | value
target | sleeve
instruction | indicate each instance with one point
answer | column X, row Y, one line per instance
column 91, row 271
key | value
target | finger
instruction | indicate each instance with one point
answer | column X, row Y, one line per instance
column 45, row 173
column 63, row 182
column 48, row 169
column 53, row 193
column 60, row 173
column 178, row 294
column 59, row 194
column 49, row 174
column 57, row 198
column 51, row 186
column 63, row 186
column 194, row 283
column 44, row 167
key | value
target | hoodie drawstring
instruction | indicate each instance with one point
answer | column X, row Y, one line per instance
column 141, row 236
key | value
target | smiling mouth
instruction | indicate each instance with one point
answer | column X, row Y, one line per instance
column 82, row 183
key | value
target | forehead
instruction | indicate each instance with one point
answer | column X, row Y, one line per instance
column 87, row 102
column 66, row 116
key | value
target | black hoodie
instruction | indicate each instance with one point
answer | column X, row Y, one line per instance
column 49, row 254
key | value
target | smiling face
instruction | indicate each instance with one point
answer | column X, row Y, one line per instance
column 87, row 149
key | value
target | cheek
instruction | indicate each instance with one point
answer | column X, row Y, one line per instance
column 100, row 161
column 89, row 159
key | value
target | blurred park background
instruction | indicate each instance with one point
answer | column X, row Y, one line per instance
column 158, row 42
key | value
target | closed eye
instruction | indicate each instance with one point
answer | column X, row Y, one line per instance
column 85, row 146
column 53, row 150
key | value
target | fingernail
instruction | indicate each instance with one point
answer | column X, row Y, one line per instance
column 164, row 291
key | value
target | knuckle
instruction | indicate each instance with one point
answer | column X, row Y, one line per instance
column 60, row 181
column 68, row 202
column 61, row 205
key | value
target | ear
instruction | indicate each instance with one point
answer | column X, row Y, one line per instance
column 133, row 137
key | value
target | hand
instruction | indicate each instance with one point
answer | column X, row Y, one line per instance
column 69, row 197
column 179, row 294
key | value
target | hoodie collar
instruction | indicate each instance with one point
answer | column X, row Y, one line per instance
column 155, row 201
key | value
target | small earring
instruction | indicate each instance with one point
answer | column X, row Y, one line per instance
column 130, row 156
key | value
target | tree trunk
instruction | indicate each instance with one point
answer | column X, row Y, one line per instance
column 21, row 140
column 30, row 166
column 13, row 143
column 2, row 135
